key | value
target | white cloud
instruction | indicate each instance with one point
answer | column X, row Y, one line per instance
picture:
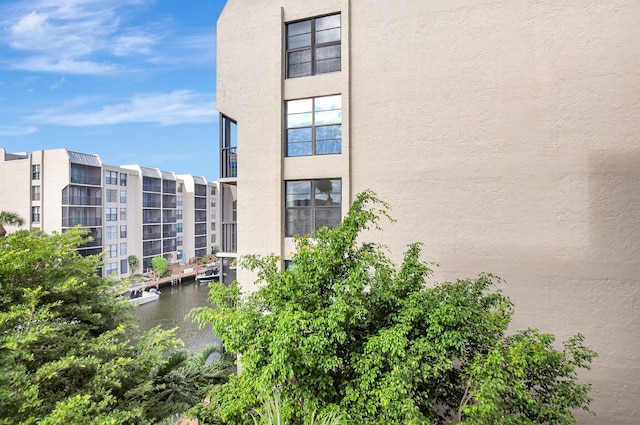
column 177, row 107
column 66, row 66
column 13, row 131
column 132, row 44
column 68, row 36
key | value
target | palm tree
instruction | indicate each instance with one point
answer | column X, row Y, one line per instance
column 183, row 379
column 9, row 218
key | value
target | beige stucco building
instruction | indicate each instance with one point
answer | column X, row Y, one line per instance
column 130, row 210
column 504, row 135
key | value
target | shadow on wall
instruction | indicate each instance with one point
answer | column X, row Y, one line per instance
column 614, row 189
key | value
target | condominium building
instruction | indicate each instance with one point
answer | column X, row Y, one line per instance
column 502, row 134
column 129, row 210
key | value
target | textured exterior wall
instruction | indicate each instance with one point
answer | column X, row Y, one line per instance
column 503, row 134
column 16, row 174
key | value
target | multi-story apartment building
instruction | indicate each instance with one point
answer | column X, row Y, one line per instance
column 502, row 134
column 129, row 210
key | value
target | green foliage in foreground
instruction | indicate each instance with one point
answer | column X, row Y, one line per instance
column 348, row 332
column 69, row 351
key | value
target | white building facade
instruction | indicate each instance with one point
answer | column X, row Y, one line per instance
column 129, row 210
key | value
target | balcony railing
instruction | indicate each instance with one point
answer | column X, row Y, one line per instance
column 169, row 234
column 229, row 162
column 169, row 219
column 92, row 181
column 151, row 204
column 151, row 251
column 151, row 188
column 149, row 236
column 95, row 242
column 229, row 237
column 146, row 220
column 85, row 222
column 80, row 200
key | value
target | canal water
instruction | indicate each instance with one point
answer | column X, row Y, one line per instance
column 171, row 309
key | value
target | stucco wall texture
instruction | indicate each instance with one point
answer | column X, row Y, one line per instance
column 504, row 135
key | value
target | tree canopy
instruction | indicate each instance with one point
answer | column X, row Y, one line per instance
column 345, row 331
column 69, row 350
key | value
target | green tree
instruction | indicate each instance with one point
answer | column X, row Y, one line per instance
column 347, row 331
column 160, row 265
column 69, row 349
column 9, row 218
column 134, row 263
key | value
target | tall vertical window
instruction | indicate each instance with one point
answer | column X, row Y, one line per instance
column 313, row 46
column 312, row 204
column 123, row 231
column 124, row 265
column 228, row 147
column 179, row 227
column 179, row 214
column 112, row 195
column 111, row 268
column 35, row 193
column 111, row 214
column 111, row 177
column 314, row 126
column 123, row 179
column 123, row 196
column 110, row 232
column 111, row 251
column 35, row 214
column 35, row 172
column 123, row 248
column 123, row 214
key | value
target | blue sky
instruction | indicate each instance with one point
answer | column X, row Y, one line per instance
column 130, row 80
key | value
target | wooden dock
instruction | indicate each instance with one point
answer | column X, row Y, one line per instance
column 178, row 274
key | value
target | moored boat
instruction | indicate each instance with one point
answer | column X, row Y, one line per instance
column 210, row 273
column 138, row 296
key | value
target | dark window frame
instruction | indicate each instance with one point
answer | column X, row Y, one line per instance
column 35, row 214
column 313, row 47
column 314, row 126
column 313, row 208
column 110, row 177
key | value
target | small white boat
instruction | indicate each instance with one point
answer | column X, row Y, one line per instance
column 138, row 296
column 210, row 273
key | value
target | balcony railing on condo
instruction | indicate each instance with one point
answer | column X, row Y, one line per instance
column 150, row 236
column 229, row 162
column 151, row 188
column 92, row 181
column 151, row 251
column 80, row 200
column 95, row 242
column 85, row 222
column 229, row 237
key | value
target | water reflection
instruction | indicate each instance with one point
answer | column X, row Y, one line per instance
column 170, row 310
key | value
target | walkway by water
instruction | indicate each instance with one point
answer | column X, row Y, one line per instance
column 170, row 310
